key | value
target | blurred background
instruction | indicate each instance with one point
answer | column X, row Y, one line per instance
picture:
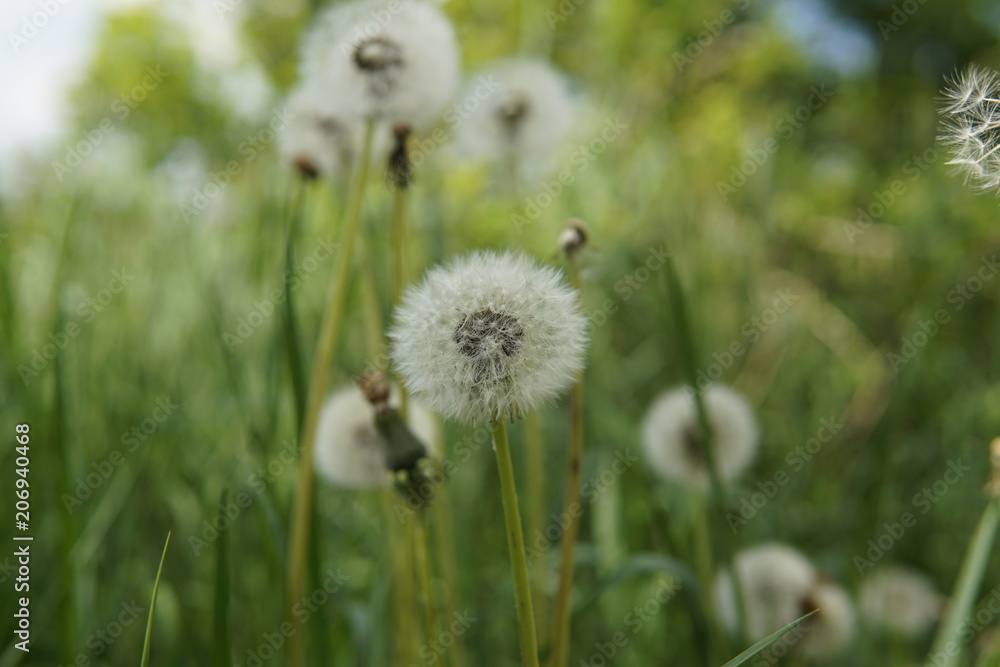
column 840, row 274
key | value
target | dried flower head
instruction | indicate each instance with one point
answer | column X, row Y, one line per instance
column 530, row 112
column 489, row 336
column 672, row 439
column 349, row 450
column 573, row 237
column 780, row 585
column 314, row 141
column 900, row 599
column 971, row 125
column 395, row 61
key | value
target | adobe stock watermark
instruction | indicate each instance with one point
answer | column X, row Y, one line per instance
column 956, row 298
column 101, row 640
column 87, row 310
column 434, row 649
column 580, row 160
column 605, row 652
column 882, row 200
column 751, row 330
column 784, row 129
column 422, row 148
column 631, row 283
column 590, row 491
column 563, row 11
column 102, row 470
column 32, row 25
column 264, row 309
column 922, row 502
column 795, row 460
column 248, row 149
column 272, row 642
column 713, row 29
column 901, row 13
column 971, row 626
column 121, row 107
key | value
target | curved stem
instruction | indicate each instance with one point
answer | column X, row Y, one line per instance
column 322, row 363
column 515, row 543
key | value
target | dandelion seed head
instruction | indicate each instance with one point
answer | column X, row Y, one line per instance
column 396, row 62
column 672, row 440
column 900, row 599
column 832, row 627
column 313, row 141
column 349, row 451
column 971, row 125
column 489, row 336
column 529, row 113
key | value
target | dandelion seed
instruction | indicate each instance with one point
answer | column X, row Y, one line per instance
column 395, row 62
column 349, row 451
column 489, row 336
column 900, row 599
column 971, row 125
column 529, row 114
column 672, row 438
column 779, row 585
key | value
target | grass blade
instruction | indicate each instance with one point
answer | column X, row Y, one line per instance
column 765, row 642
column 152, row 607
column 222, row 651
column 946, row 642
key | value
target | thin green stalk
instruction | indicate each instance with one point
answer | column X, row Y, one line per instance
column 704, row 560
column 947, row 642
column 406, row 641
column 515, row 543
column 536, row 471
column 445, row 544
column 425, row 578
column 322, row 363
column 572, row 512
column 397, row 232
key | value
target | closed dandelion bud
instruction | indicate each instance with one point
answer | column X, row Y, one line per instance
column 900, row 599
column 673, row 442
column 573, row 237
column 971, row 125
column 530, row 112
column 351, row 452
column 489, row 336
column 395, row 62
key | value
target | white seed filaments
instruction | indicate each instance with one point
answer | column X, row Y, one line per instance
column 489, row 337
column 971, row 125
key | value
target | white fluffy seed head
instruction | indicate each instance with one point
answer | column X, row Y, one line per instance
column 778, row 586
column 672, row 438
column 395, row 61
column 529, row 110
column 349, row 451
column 314, row 141
column 900, row 599
column 971, row 125
column 489, row 336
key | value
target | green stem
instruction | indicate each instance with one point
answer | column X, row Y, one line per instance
column 704, row 560
column 422, row 555
column 515, row 543
column 322, row 363
column 397, row 232
column 405, row 640
column 445, row 544
column 572, row 511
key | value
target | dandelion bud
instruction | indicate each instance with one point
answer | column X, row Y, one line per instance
column 400, row 171
column 573, row 236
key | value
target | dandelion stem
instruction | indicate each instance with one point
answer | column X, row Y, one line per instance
column 572, row 510
column 405, row 641
column 322, row 363
column 423, row 563
column 515, row 542
column 397, row 231
column 445, row 543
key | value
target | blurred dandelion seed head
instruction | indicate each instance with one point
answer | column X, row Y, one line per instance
column 672, row 440
column 900, row 599
column 489, row 336
column 349, row 450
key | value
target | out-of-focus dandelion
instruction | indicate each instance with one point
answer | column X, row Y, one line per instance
column 394, row 62
column 349, row 450
column 489, row 337
column 314, row 141
column 900, row 599
column 672, row 439
column 779, row 585
column 529, row 114
column 971, row 125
